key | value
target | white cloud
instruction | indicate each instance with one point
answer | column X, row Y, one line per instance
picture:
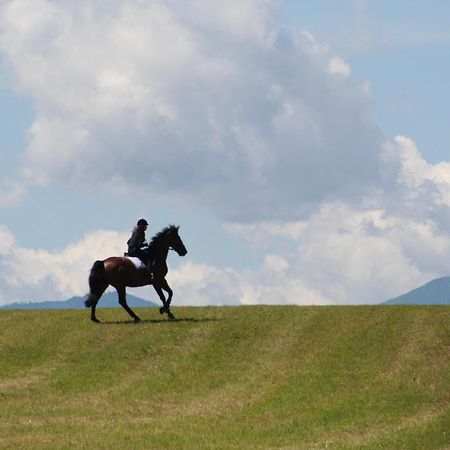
column 11, row 193
column 7, row 240
column 212, row 102
column 257, row 232
column 340, row 254
column 393, row 241
column 201, row 284
column 338, row 66
column 348, row 256
column 276, row 264
column 418, row 175
column 37, row 274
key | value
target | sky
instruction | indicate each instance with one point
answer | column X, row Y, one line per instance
column 302, row 146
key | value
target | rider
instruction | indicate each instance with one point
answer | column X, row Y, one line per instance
column 137, row 245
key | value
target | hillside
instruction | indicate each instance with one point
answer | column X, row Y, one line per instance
column 264, row 377
column 436, row 292
column 108, row 300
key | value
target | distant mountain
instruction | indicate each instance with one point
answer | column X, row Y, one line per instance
column 436, row 292
column 108, row 300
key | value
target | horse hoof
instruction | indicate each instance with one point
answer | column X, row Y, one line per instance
column 137, row 320
column 95, row 320
column 171, row 316
column 162, row 310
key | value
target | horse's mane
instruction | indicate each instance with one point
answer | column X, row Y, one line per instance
column 163, row 233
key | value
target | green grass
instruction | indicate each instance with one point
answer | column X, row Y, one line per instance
column 227, row 378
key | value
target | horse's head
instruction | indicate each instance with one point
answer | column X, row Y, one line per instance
column 174, row 240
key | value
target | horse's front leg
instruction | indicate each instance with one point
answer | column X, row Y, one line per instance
column 165, row 308
column 169, row 291
column 121, row 290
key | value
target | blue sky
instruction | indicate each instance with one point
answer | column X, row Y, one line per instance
column 403, row 49
column 267, row 216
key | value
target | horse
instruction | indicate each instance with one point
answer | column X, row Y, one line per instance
column 120, row 272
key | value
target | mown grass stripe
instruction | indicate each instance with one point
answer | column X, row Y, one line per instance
column 232, row 377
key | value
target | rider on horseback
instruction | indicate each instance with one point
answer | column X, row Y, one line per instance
column 137, row 246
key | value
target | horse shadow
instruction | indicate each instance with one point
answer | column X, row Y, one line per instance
column 184, row 319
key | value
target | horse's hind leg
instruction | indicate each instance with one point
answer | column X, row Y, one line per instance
column 93, row 298
column 93, row 316
column 121, row 291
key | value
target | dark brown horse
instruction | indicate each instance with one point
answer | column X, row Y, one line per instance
column 120, row 272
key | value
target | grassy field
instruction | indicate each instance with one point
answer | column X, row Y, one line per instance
column 227, row 378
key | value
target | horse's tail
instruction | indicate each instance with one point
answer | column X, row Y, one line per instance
column 96, row 283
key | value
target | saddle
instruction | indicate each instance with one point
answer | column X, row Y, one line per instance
column 136, row 261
